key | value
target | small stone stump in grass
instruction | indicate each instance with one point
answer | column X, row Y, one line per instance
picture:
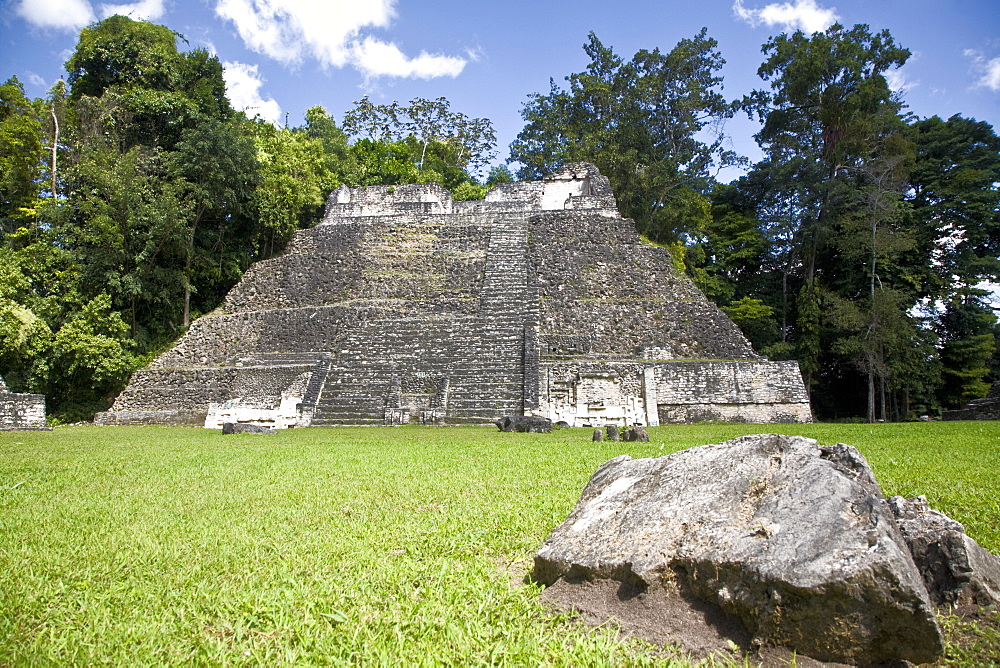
column 613, row 434
column 241, row 428
column 636, row 433
column 598, row 435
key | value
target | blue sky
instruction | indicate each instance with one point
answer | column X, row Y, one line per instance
column 487, row 56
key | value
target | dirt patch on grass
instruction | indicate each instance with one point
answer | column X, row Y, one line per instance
column 972, row 636
column 662, row 616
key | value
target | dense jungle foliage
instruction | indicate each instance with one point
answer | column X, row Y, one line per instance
column 133, row 197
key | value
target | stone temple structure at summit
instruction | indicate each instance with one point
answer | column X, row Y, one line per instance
column 405, row 306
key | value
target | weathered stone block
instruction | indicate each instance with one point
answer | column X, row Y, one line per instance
column 955, row 569
column 240, row 428
column 525, row 424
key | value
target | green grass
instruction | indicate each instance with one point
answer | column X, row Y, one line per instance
column 144, row 546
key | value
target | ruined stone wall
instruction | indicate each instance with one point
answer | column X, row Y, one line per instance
column 393, row 368
column 731, row 391
column 394, row 296
column 181, row 395
column 380, row 257
column 21, row 411
column 412, row 199
column 590, row 393
column 987, row 408
column 480, row 360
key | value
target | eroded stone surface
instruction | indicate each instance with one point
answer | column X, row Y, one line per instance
column 635, row 434
column 795, row 541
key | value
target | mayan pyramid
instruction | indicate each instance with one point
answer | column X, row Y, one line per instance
column 405, row 306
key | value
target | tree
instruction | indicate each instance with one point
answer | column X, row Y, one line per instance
column 121, row 52
column 499, row 174
column 829, row 101
column 92, row 357
column 730, row 260
column 20, row 156
column 755, row 319
column 641, row 123
column 162, row 171
column 339, row 160
column 215, row 170
column 954, row 193
column 150, row 176
column 450, row 143
column 127, row 229
column 299, row 167
column 872, row 233
column 832, row 177
column 966, row 329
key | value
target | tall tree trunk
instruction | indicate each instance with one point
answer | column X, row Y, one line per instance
column 188, row 262
column 187, row 304
column 871, row 392
column 881, row 395
column 55, row 148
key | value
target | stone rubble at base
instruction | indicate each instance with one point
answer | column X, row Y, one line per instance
column 405, row 306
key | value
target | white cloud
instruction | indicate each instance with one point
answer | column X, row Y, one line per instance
column 143, row 10
column 804, row 15
column 987, row 72
column 35, row 80
column 374, row 58
column 330, row 32
column 70, row 15
column 991, row 79
column 243, row 84
column 899, row 82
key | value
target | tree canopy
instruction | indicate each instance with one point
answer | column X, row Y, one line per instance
column 641, row 122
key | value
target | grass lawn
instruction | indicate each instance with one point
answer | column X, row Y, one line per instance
column 140, row 546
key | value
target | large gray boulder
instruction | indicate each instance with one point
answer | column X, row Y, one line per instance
column 794, row 540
